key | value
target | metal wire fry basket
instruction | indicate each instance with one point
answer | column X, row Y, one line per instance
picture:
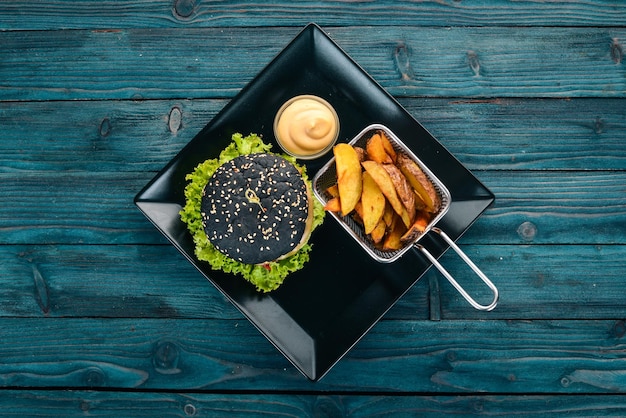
column 327, row 176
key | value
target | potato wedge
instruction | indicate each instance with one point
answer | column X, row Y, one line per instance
column 360, row 152
column 333, row 205
column 389, row 214
column 419, row 203
column 388, row 147
column 419, row 182
column 373, row 202
column 358, row 210
column 376, row 151
column 418, row 228
column 381, row 177
column 406, row 218
column 392, row 239
column 333, row 190
column 349, row 179
column 378, row 232
column 403, row 188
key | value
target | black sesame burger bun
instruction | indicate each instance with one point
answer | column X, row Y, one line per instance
column 257, row 208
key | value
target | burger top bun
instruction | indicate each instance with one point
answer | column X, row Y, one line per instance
column 257, row 208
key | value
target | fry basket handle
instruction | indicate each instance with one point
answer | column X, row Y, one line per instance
column 451, row 279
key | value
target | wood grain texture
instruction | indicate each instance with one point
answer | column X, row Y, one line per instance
column 100, row 316
column 97, row 208
column 531, row 357
column 554, row 207
column 78, row 403
column 142, row 136
column 540, row 282
column 121, row 136
column 521, row 134
column 23, row 15
column 106, row 281
column 73, row 208
column 145, row 281
column 407, row 61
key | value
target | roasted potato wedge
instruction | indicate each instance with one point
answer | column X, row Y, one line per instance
column 333, row 205
column 419, row 203
column 358, row 210
column 419, row 182
column 381, row 177
column 373, row 202
column 403, row 189
column 360, row 152
column 389, row 214
column 388, row 147
column 392, row 241
column 376, row 151
column 406, row 218
column 418, row 228
column 349, row 179
column 333, row 190
column 378, row 233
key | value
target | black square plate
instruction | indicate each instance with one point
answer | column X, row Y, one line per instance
column 320, row 312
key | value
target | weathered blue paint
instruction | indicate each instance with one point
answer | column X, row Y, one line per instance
column 100, row 315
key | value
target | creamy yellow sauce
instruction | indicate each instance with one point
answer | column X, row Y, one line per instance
column 306, row 126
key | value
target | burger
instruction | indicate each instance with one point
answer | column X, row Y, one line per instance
column 251, row 212
column 256, row 209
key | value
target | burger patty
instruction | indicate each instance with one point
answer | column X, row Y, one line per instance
column 255, row 208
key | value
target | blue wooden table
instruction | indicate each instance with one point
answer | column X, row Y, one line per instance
column 100, row 315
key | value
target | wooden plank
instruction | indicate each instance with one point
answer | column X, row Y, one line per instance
column 554, row 207
column 408, row 61
column 74, row 208
column 126, row 136
column 499, row 357
column 499, row 134
column 78, row 403
column 534, row 281
column 116, row 281
column 144, row 281
column 23, row 15
column 97, row 208
column 106, row 281
column 522, row 134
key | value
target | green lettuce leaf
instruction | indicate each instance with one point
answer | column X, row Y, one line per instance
column 265, row 277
